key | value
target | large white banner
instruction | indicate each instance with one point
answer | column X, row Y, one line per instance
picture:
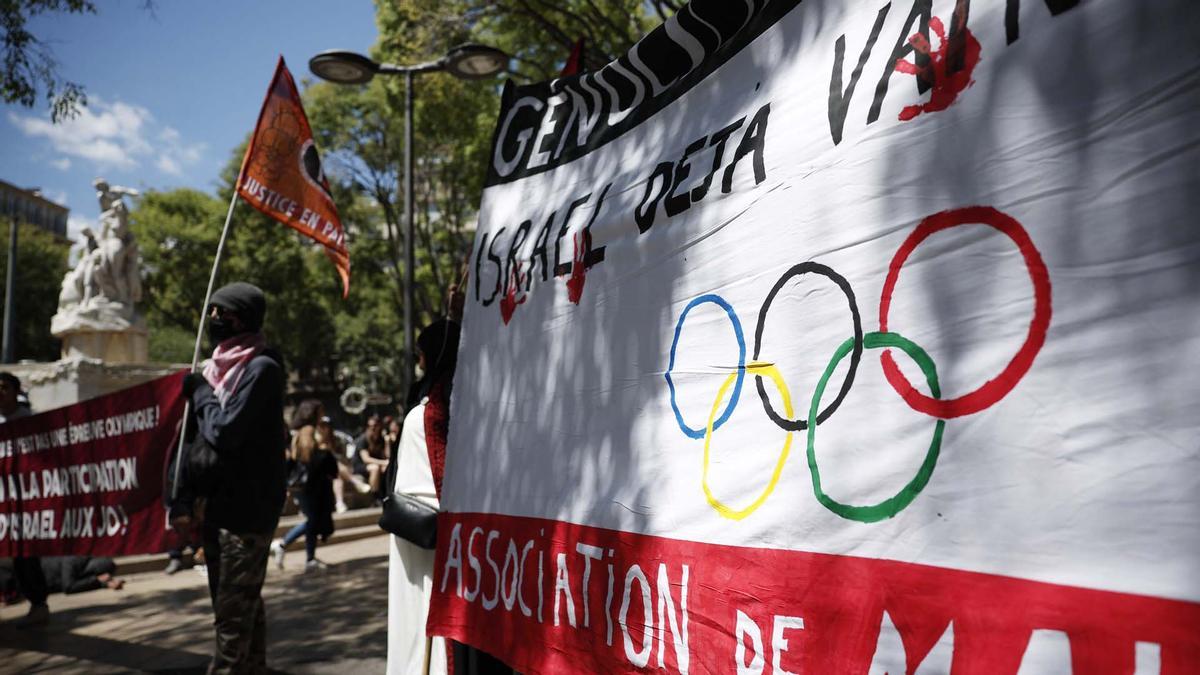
column 835, row 336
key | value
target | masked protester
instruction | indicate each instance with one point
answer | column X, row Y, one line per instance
column 238, row 403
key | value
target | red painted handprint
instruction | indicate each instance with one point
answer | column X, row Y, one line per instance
column 578, row 267
column 508, row 304
column 946, row 86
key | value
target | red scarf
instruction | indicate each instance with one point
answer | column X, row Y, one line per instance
column 437, row 426
column 224, row 370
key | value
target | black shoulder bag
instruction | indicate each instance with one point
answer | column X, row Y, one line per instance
column 409, row 518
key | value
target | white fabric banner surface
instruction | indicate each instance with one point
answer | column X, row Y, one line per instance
column 840, row 333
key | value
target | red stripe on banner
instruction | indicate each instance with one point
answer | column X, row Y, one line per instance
column 553, row 597
column 87, row 479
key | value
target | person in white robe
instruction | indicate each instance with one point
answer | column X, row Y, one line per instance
column 410, row 567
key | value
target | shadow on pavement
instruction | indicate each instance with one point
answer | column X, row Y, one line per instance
column 313, row 620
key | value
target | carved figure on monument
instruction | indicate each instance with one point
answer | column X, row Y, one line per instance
column 99, row 295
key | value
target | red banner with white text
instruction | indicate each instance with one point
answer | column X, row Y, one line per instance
column 557, row 597
column 87, row 479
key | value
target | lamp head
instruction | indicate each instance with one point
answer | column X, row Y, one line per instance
column 474, row 62
column 343, row 67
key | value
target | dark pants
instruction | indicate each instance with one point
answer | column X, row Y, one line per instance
column 237, row 566
column 471, row 661
column 31, row 581
column 303, row 529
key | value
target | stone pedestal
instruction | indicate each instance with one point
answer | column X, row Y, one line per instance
column 112, row 347
column 103, row 330
column 53, row 385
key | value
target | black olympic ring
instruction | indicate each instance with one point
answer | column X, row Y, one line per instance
column 855, row 355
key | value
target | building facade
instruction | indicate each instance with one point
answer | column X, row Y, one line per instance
column 30, row 207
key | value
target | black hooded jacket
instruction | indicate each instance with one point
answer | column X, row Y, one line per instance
column 249, row 437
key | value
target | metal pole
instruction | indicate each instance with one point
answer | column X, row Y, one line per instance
column 409, row 236
column 10, row 283
column 212, row 279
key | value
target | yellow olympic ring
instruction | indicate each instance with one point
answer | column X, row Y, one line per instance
column 755, row 368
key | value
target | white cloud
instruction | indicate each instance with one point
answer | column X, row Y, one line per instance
column 57, row 196
column 167, row 164
column 174, row 153
column 113, row 135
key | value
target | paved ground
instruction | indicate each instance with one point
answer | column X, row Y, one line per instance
column 333, row 621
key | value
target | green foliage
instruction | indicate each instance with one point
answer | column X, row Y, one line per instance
column 29, row 64
column 41, row 265
column 177, row 233
column 172, row 344
column 318, row 332
column 537, row 34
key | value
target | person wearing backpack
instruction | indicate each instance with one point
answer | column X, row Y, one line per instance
column 238, row 404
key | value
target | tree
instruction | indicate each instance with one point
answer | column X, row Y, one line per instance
column 177, row 234
column 29, row 64
column 319, row 334
column 41, row 266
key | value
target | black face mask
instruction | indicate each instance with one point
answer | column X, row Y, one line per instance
column 219, row 330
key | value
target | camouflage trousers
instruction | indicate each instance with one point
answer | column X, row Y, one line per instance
column 237, row 565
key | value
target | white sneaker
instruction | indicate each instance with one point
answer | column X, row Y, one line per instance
column 362, row 487
column 315, row 565
column 277, row 552
column 341, row 507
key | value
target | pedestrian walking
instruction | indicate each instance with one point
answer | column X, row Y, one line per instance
column 312, row 469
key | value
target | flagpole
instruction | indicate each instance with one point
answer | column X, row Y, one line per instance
column 212, row 280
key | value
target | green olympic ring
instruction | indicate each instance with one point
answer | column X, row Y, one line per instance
column 895, row 504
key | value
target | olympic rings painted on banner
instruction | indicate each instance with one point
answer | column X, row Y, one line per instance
column 997, row 388
column 895, row 504
column 797, row 270
column 739, row 373
column 758, row 369
column 981, row 398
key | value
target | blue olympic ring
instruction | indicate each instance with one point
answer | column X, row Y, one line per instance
column 741, row 367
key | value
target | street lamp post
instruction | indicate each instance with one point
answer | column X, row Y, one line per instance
column 468, row 62
column 9, row 291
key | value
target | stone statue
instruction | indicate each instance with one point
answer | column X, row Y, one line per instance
column 100, row 294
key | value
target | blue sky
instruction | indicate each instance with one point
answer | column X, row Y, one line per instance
column 170, row 92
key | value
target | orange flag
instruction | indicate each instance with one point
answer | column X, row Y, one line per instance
column 282, row 176
column 574, row 64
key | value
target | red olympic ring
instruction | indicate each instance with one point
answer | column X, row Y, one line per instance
column 998, row 387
